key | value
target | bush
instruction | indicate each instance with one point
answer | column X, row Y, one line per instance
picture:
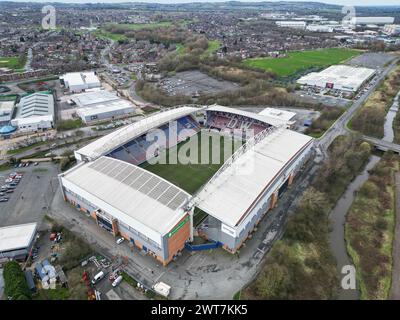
column 15, row 285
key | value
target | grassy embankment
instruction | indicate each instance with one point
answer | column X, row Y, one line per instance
column 370, row 118
column 301, row 265
column 369, row 230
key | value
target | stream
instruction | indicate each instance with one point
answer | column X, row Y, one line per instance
column 388, row 127
column 338, row 218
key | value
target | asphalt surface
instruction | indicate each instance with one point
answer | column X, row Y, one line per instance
column 32, row 196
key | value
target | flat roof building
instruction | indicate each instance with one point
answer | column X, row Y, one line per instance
column 101, row 105
column 80, row 81
column 339, row 77
column 16, row 241
column 280, row 115
column 292, row 24
column 35, row 112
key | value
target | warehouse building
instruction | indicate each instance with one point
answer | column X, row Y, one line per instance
column 339, row 77
column 16, row 241
column 292, row 24
column 127, row 200
column 80, row 81
column 372, row 20
column 101, row 105
column 35, row 112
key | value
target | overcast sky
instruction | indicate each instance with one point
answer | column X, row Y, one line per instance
column 340, row 2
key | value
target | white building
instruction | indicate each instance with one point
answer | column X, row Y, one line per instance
column 339, row 77
column 391, row 29
column 292, row 24
column 280, row 115
column 372, row 20
column 35, row 112
column 319, row 28
column 101, row 105
column 80, row 81
column 16, row 241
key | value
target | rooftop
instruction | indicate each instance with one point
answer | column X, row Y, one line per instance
column 35, row 105
column 274, row 121
column 138, row 195
column 17, row 237
column 341, row 76
column 229, row 195
column 121, row 136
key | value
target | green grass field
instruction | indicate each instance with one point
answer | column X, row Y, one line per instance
column 190, row 177
column 140, row 26
column 300, row 61
column 13, row 63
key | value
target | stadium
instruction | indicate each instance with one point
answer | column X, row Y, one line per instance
column 186, row 173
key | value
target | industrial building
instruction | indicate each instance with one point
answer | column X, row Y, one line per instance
column 391, row 29
column 372, row 20
column 16, row 241
column 35, row 112
column 110, row 185
column 76, row 82
column 292, row 24
column 340, row 77
column 101, row 105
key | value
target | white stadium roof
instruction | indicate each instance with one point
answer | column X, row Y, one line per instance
column 133, row 195
column 263, row 118
column 121, row 136
column 231, row 194
column 17, row 237
column 279, row 114
column 341, row 76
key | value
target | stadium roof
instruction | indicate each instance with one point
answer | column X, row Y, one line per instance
column 262, row 118
column 341, row 76
column 17, row 237
column 231, row 194
column 121, row 136
column 138, row 195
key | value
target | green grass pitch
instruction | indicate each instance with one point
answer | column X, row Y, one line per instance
column 190, row 177
column 298, row 61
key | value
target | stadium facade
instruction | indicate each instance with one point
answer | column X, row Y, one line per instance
column 111, row 185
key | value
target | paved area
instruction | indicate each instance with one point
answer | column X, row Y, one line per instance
column 395, row 288
column 32, row 196
column 374, row 60
column 194, row 82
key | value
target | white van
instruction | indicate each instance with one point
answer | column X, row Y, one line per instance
column 98, row 277
column 117, row 281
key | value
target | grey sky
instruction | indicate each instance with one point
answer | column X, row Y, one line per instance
column 340, row 2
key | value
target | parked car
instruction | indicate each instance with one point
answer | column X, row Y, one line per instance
column 120, row 240
column 117, row 281
column 4, row 199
